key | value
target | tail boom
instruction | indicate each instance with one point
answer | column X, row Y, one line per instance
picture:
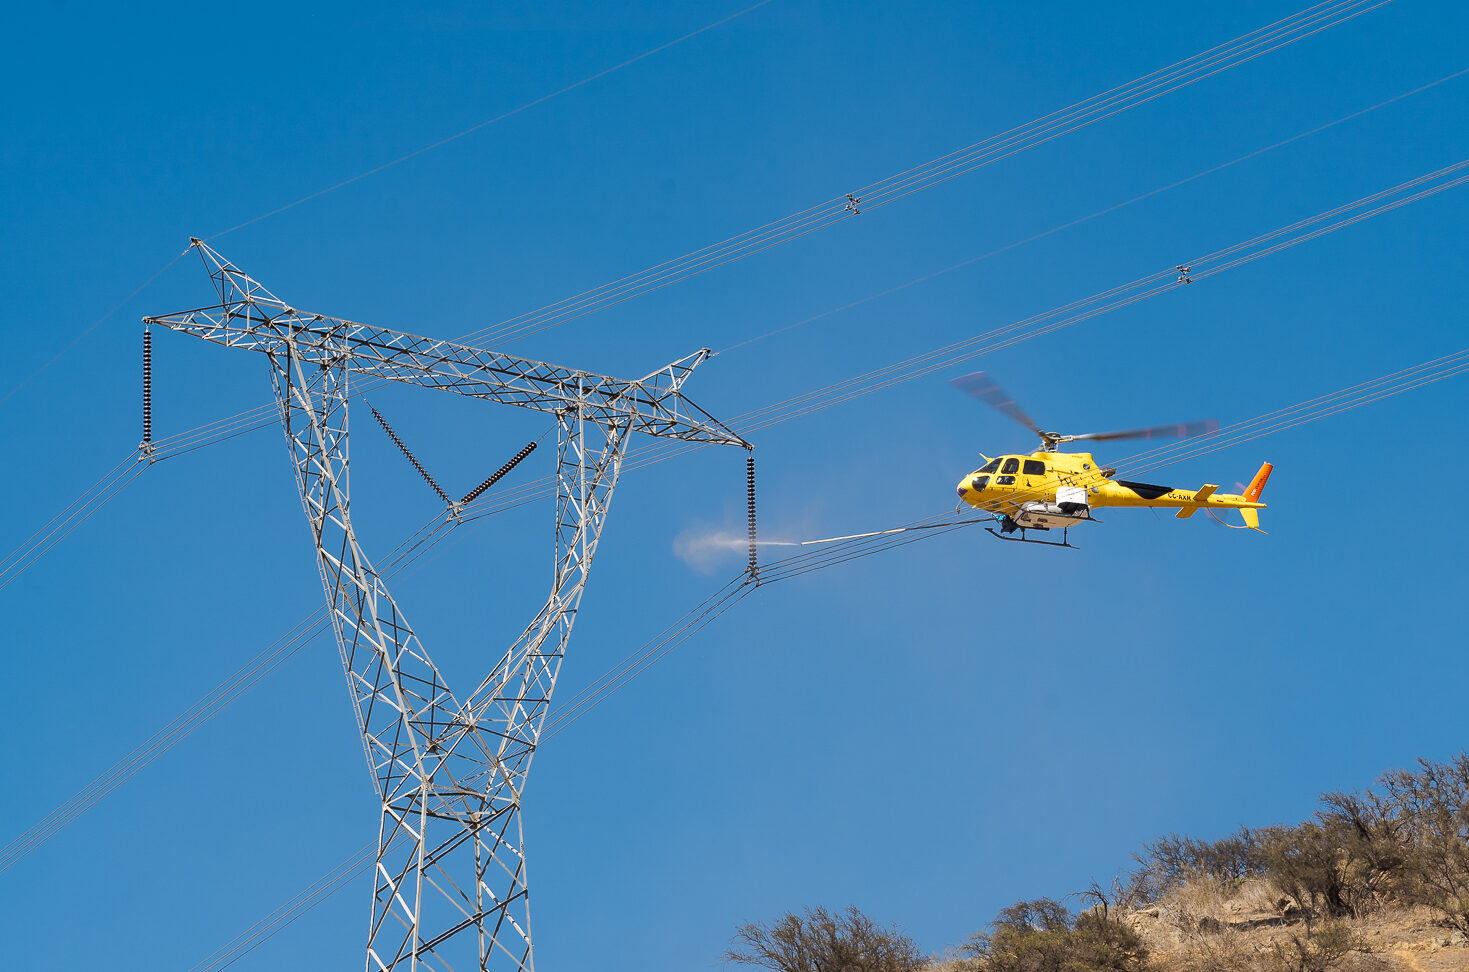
column 1248, row 503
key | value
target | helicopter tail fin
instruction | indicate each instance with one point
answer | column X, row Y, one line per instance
column 1252, row 494
column 1257, row 485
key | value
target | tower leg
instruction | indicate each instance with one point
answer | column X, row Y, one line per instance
column 450, row 775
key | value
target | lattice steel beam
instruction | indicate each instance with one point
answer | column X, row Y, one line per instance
column 249, row 316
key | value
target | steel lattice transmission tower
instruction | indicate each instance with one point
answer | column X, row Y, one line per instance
column 450, row 879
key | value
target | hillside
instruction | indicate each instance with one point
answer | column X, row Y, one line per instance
column 1376, row 881
column 1201, row 928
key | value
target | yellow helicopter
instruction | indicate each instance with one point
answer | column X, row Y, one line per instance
column 1048, row 489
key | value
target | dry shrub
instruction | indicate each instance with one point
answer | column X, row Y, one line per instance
column 824, row 941
column 949, row 960
column 1258, row 896
column 1174, row 860
column 1433, row 804
column 1329, row 949
column 1224, row 951
column 1044, row 936
column 1198, row 905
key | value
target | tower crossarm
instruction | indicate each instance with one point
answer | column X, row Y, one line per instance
column 249, row 316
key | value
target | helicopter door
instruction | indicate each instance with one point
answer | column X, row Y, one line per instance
column 1034, row 472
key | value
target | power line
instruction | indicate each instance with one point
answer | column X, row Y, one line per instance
column 714, row 612
column 1115, row 207
column 79, row 511
column 1241, row 50
column 908, row 369
column 262, row 416
column 277, row 921
column 254, row 671
column 386, row 165
column 1254, row 44
column 722, row 600
column 91, row 327
column 484, row 124
column 1010, row 335
column 423, row 741
column 996, row 339
column 841, row 392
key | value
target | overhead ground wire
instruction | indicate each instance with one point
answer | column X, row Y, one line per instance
column 92, row 327
column 1242, row 49
column 388, row 165
column 1269, row 42
column 498, row 118
column 1115, row 207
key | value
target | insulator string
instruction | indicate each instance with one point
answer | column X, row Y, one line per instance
column 496, row 476
column 409, row 455
column 147, row 445
column 753, row 569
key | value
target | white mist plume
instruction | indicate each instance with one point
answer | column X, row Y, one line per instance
column 706, row 549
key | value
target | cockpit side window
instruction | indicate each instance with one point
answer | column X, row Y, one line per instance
column 1012, row 465
column 991, row 466
column 1034, row 467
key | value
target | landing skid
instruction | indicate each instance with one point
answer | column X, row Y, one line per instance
column 1009, row 526
column 1024, row 539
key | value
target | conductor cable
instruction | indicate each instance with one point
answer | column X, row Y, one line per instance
column 1245, row 48
column 868, row 544
column 263, row 416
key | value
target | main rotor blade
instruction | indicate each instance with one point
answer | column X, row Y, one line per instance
column 1180, row 430
column 986, row 389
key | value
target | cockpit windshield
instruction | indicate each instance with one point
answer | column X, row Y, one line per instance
column 991, row 466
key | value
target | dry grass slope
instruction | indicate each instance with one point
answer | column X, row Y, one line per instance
column 1376, row 881
column 1204, row 926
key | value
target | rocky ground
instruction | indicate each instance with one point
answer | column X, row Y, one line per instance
column 1201, row 929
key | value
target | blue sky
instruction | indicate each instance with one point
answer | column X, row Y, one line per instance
column 929, row 733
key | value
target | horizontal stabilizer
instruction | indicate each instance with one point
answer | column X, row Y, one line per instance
column 1202, row 496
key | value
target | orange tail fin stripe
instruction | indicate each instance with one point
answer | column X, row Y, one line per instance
column 1257, row 485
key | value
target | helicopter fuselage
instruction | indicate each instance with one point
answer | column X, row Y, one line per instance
column 1048, row 489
